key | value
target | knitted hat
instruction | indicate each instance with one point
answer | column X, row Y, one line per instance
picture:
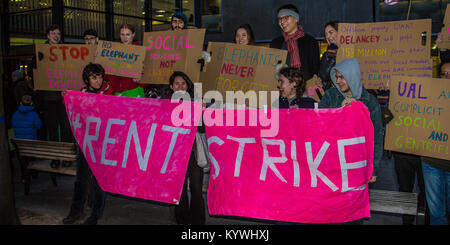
column 18, row 74
column 181, row 15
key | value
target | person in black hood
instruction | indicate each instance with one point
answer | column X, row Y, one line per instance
column 179, row 21
column 20, row 86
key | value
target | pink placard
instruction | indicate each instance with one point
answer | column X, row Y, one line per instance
column 315, row 170
column 134, row 146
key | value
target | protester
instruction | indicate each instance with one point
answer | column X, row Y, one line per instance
column 20, row 86
column 25, row 122
column 303, row 49
column 93, row 77
column 244, row 35
column 346, row 77
column 193, row 211
column 54, row 112
column 292, row 87
column 90, row 37
column 328, row 60
column 121, row 84
column 436, row 175
column 179, row 21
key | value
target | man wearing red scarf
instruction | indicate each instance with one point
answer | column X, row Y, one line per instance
column 303, row 49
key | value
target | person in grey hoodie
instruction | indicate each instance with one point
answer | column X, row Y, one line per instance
column 346, row 77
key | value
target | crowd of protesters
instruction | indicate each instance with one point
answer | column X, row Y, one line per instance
column 341, row 84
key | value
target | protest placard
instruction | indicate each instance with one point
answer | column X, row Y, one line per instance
column 120, row 59
column 134, row 147
column 421, row 117
column 313, row 90
column 445, row 33
column 61, row 66
column 387, row 49
column 169, row 51
column 297, row 175
column 245, row 68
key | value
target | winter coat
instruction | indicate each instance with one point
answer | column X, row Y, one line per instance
column 327, row 62
column 333, row 98
column 309, row 53
column 26, row 122
column 304, row 102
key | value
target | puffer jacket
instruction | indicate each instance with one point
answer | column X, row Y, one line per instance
column 26, row 122
column 333, row 98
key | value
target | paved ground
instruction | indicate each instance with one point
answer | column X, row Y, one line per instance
column 48, row 204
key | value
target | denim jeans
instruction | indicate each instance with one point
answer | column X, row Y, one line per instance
column 81, row 191
column 437, row 190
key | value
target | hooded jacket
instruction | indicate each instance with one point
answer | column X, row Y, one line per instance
column 26, row 122
column 333, row 98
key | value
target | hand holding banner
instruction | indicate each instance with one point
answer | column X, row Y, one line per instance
column 300, row 175
column 134, row 146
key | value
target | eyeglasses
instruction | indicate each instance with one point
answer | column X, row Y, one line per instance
column 283, row 18
column 177, row 21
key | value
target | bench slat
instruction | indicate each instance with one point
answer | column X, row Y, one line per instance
column 40, row 142
column 46, row 149
column 47, row 168
column 393, row 202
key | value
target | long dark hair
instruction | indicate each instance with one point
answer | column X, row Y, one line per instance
column 248, row 29
column 333, row 24
column 92, row 69
column 295, row 75
column 189, row 83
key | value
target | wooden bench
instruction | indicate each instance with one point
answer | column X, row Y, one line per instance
column 394, row 202
column 49, row 150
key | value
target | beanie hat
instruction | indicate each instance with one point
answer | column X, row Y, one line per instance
column 181, row 15
column 18, row 74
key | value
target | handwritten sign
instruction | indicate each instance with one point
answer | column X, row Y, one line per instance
column 387, row 49
column 120, row 59
column 169, row 51
column 445, row 33
column 133, row 146
column 298, row 175
column 243, row 68
column 421, row 111
column 60, row 66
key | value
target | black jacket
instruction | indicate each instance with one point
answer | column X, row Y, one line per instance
column 308, row 50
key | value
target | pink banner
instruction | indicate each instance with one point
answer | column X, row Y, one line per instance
column 315, row 170
column 134, row 146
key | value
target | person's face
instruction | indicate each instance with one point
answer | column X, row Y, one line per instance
column 340, row 81
column 288, row 23
column 286, row 88
column 177, row 24
column 179, row 84
column 445, row 71
column 90, row 39
column 54, row 36
column 126, row 36
column 242, row 36
column 331, row 35
column 96, row 81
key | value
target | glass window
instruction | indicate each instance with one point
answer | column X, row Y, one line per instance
column 30, row 22
column 162, row 11
column 77, row 21
column 188, row 9
column 26, row 5
column 139, row 25
column 212, row 15
column 97, row 5
column 130, row 7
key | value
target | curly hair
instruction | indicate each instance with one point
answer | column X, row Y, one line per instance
column 92, row 69
column 295, row 75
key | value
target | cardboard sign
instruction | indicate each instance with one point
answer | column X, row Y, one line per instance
column 169, row 51
column 312, row 87
column 120, row 59
column 421, row 117
column 61, row 66
column 387, row 49
column 445, row 33
column 134, row 147
column 299, row 175
column 243, row 68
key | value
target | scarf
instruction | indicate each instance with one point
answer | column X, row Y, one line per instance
column 291, row 41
